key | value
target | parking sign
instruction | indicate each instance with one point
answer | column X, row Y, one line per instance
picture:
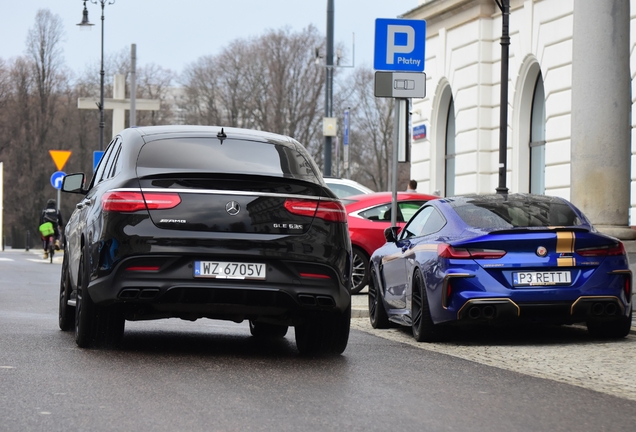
column 399, row 45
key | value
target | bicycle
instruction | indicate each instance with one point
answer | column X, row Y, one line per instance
column 47, row 231
column 51, row 247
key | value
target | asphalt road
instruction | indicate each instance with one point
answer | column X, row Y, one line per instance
column 172, row 375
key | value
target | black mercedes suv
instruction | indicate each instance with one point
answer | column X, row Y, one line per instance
column 207, row 222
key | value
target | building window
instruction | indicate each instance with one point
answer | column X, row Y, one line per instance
column 537, row 139
column 450, row 151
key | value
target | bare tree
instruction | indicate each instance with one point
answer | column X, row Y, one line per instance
column 31, row 123
column 269, row 83
column 45, row 54
column 371, row 130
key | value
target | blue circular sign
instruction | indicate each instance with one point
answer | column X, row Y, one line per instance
column 57, row 178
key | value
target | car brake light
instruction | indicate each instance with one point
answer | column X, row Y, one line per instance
column 162, row 201
column 486, row 253
column 143, row 268
column 447, row 251
column 628, row 288
column 332, row 211
column 315, row 276
column 126, row 201
column 608, row 250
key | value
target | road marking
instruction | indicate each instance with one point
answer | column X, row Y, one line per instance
column 603, row 366
column 6, row 259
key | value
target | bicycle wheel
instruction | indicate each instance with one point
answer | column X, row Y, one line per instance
column 51, row 246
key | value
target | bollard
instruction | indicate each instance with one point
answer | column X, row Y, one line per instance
column 28, row 239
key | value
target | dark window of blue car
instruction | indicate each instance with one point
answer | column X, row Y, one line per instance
column 516, row 214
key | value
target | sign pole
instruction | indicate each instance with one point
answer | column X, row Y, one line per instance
column 396, row 145
column 345, row 144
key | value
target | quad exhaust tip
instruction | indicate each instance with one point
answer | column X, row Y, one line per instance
column 487, row 312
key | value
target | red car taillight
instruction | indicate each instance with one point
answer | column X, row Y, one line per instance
column 447, row 251
column 125, row 201
column 608, row 250
column 315, row 276
column 332, row 211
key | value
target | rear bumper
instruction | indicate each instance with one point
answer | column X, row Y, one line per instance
column 173, row 291
column 582, row 309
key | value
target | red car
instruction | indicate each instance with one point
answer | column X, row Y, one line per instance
column 368, row 215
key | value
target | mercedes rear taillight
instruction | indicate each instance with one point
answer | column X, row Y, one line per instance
column 128, row 201
column 332, row 211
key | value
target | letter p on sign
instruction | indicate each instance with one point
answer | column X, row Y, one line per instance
column 399, row 45
column 391, row 44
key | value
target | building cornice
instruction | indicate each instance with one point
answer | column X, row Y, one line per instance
column 453, row 13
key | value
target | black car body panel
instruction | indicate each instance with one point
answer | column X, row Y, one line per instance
column 165, row 201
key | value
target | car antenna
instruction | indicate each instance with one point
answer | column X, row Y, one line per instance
column 221, row 136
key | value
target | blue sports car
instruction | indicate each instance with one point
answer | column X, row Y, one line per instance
column 500, row 259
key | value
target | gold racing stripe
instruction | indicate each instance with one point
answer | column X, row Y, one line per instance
column 565, row 245
column 566, row 262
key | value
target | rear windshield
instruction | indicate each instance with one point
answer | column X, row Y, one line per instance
column 234, row 156
column 521, row 213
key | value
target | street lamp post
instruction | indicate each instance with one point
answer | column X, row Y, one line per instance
column 504, row 6
column 85, row 24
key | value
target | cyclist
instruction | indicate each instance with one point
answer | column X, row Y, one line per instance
column 53, row 215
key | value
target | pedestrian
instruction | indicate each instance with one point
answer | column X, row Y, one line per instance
column 412, row 187
column 54, row 216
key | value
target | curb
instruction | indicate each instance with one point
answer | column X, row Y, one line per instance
column 359, row 313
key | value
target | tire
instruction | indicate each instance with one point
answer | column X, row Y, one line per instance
column 377, row 313
column 85, row 309
column 360, row 270
column 51, row 251
column 267, row 331
column 324, row 335
column 424, row 330
column 616, row 329
column 66, row 316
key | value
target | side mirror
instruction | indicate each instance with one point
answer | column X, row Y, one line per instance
column 73, row 183
column 391, row 233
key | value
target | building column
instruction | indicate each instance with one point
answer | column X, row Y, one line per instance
column 601, row 128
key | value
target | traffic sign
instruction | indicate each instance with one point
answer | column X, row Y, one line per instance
column 97, row 156
column 419, row 132
column 399, row 45
column 400, row 84
column 59, row 158
column 57, row 178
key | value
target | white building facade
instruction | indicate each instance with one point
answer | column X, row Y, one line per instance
column 460, row 153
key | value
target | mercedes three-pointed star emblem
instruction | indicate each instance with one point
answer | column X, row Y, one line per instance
column 232, row 208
